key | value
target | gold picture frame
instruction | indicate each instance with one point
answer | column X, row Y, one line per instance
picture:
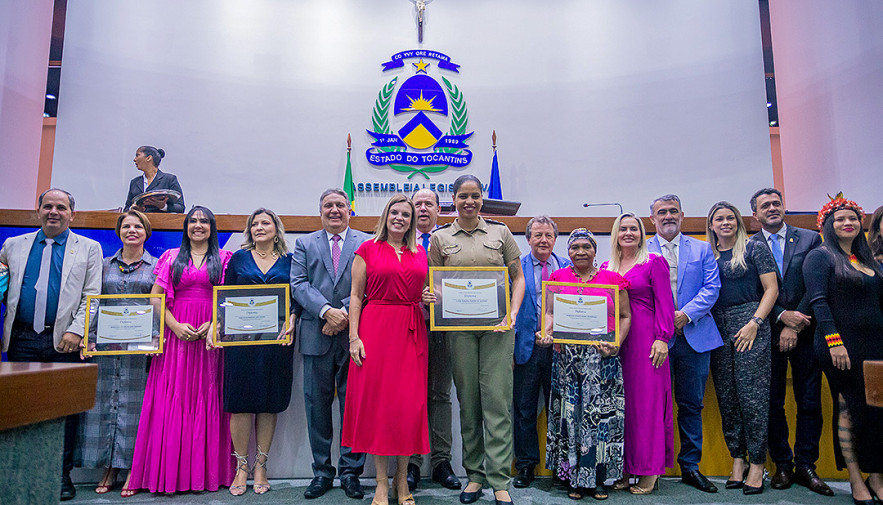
column 121, row 319
column 223, row 298
column 439, row 320
column 581, row 311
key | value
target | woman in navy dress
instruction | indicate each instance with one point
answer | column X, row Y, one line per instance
column 257, row 379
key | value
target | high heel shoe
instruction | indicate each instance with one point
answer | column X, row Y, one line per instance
column 261, row 488
column 621, row 484
column 748, row 490
column 241, row 465
column 106, row 485
column 638, row 490
column 736, row 484
column 871, row 490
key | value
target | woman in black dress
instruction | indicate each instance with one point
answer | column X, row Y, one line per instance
column 257, row 379
column 845, row 288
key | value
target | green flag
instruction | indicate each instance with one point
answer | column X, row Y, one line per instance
column 348, row 187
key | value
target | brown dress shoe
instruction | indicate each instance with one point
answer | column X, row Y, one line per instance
column 808, row 477
column 783, row 478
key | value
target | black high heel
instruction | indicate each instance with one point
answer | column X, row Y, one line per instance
column 737, row 484
column 874, row 497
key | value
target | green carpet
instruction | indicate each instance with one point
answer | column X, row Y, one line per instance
column 671, row 492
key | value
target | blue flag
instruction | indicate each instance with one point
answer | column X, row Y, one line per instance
column 495, row 190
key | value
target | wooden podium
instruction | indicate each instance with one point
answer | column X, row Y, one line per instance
column 34, row 400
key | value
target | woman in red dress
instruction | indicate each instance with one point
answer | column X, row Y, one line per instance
column 388, row 346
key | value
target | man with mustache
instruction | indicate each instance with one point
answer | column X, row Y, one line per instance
column 695, row 284
column 792, row 340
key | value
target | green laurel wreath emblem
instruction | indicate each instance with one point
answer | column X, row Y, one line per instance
column 459, row 118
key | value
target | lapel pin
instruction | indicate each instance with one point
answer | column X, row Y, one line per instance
column 791, row 239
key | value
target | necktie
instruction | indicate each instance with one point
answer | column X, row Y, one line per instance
column 544, row 274
column 777, row 252
column 669, row 253
column 42, row 287
column 425, row 238
column 335, row 252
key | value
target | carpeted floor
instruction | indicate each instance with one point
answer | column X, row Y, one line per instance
column 671, row 492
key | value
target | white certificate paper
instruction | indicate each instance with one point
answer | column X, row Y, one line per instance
column 469, row 299
column 125, row 324
column 580, row 314
column 251, row 314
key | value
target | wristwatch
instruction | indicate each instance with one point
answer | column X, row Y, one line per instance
column 757, row 320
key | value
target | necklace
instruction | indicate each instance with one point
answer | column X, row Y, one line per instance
column 263, row 254
column 590, row 276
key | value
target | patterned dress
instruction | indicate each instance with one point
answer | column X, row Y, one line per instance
column 584, row 443
column 106, row 436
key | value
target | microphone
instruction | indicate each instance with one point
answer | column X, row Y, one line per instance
column 604, row 205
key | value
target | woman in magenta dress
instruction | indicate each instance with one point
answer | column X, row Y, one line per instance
column 385, row 412
column 649, row 425
column 183, row 441
column 585, row 427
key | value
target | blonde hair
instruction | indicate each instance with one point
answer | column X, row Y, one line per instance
column 738, row 260
column 280, row 247
column 381, row 233
column 642, row 255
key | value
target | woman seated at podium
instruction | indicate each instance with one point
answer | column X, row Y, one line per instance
column 147, row 160
column 584, row 443
column 845, row 288
column 106, row 436
column 183, row 441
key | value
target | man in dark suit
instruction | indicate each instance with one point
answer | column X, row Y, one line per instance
column 792, row 340
column 533, row 363
column 695, row 284
column 147, row 160
column 321, row 278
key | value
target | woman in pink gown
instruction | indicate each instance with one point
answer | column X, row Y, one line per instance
column 385, row 413
column 649, row 428
column 183, row 441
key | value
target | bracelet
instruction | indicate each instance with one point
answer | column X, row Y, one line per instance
column 833, row 340
column 354, row 339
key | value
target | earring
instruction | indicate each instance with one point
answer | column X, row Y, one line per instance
column 275, row 240
column 595, row 264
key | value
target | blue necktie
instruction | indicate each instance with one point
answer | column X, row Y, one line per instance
column 777, row 252
column 425, row 238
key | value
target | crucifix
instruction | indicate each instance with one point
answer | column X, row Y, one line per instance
column 421, row 13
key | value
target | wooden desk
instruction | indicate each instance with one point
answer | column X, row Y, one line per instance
column 35, row 392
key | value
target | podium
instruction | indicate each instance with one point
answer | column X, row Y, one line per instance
column 34, row 400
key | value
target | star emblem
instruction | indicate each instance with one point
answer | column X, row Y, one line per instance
column 421, row 66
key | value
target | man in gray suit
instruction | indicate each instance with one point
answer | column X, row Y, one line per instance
column 51, row 272
column 321, row 277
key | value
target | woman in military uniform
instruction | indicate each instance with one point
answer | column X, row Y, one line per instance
column 481, row 361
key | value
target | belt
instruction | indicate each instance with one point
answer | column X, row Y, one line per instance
column 413, row 322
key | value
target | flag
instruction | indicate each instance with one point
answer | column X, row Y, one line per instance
column 495, row 191
column 348, row 187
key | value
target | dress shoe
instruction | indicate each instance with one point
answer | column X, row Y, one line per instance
column 783, row 478
column 746, row 489
column 524, row 477
column 871, row 490
column 696, row 479
column 808, row 477
column 68, row 491
column 318, row 486
column 413, row 476
column 444, row 475
column 352, row 487
column 470, row 497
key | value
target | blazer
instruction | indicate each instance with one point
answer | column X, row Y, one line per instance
column 792, row 291
column 80, row 277
column 528, row 315
column 313, row 285
column 161, row 181
column 698, row 287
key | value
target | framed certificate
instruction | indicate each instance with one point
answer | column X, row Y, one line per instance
column 124, row 324
column 579, row 313
column 469, row 298
column 251, row 315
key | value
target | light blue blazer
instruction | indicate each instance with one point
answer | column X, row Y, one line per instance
column 698, row 287
column 526, row 322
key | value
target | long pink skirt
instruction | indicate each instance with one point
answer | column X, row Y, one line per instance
column 183, row 441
